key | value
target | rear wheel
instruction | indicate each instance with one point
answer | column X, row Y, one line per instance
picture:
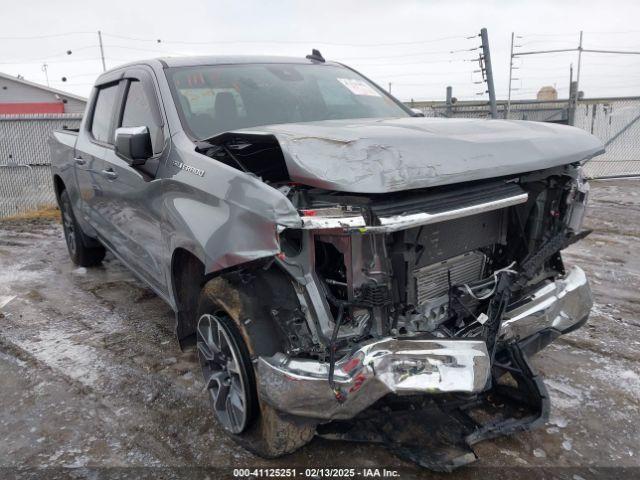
column 233, row 328
column 78, row 243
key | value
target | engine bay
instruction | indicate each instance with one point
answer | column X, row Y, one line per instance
column 451, row 275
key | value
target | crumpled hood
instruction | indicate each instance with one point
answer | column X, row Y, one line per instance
column 387, row 155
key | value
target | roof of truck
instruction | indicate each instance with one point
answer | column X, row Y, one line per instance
column 192, row 61
column 231, row 60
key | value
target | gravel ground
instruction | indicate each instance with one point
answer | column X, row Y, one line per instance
column 91, row 375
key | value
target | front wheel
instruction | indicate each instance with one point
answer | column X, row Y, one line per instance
column 225, row 372
column 77, row 241
column 231, row 322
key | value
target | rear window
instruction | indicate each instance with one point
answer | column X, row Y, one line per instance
column 103, row 113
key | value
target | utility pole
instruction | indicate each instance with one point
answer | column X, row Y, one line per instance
column 46, row 73
column 489, row 72
column 571, row 110
column 574, row 86
column 449, row 101
column 506, row 115
column 104, row 65
column 576, row 92
column 389, row 88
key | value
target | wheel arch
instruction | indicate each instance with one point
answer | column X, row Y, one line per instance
column 187, row 279
column 58, row 186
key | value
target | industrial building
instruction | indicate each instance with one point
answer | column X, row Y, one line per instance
column 19, row 96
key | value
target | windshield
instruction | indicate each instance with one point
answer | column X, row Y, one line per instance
column 216, row 99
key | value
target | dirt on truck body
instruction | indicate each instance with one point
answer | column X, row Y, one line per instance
column 342, row 267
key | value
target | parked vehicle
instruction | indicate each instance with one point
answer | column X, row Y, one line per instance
column 330, row 254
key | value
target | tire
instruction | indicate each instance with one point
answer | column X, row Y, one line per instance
column 80, row 246
column 234, row 306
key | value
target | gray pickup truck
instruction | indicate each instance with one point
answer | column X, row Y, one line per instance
column 343, row 266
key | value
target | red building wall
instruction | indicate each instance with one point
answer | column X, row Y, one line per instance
column 37, row 107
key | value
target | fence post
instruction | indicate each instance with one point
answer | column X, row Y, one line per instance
column 573, row 103
column 489, row 72
column 449, row 101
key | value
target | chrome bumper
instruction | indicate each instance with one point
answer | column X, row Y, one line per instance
column 414, row 366
column 560, row 305
column 300, row 387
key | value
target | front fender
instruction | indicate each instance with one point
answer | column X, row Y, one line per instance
column 225, row 216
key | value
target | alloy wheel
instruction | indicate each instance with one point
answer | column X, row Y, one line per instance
column 69, row 229
column 224, row 377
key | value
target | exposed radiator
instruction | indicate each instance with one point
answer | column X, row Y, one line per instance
column 432, row 281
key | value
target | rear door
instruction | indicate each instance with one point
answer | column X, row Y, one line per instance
column 134, row 193
column 94, row 141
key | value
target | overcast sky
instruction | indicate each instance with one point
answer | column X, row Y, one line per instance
column 407, row 43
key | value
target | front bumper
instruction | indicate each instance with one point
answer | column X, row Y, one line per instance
column 300, row 387
column 416, row 366
column 561, row 306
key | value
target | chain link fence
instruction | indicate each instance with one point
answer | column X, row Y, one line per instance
column 535, row 110
column 25, row 172
column 615, row 121
column 25, row 165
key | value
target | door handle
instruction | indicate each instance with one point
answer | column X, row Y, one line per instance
column 80, row 161
column 109, row 174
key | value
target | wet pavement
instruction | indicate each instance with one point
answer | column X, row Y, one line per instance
column 91, row 374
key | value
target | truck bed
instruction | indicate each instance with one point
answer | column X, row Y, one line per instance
column 62, row 145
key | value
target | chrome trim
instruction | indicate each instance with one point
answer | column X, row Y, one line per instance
column 559, row 305
column 402, row 222
column 415, row 366
column 131, row 130
column 300, row 387
column 320, row 222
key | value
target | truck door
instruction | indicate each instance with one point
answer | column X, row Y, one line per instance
column 94, row 140
column 134, row 193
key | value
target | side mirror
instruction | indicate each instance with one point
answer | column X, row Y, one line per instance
column 133, row 145
column 417, row 112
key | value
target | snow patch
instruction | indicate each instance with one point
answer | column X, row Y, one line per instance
column 558, row 421
column 5, row 299
column 539, row 453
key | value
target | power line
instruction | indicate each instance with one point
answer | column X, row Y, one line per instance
column 409, row 63
column 73, row 84
column 284, row 42
column 538, row 77
column 405, row 55
column 49, row 57
column 522, row 35
column 417, row 74
column 615, row 32
column 40, row 37
column 137, row 49
column 536, row 42
column 56, row 62
column 165, row 52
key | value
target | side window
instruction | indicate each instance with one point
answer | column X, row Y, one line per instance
column 103, row 112
column 137, row 113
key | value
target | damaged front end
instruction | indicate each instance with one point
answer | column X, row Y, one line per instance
column 428, row 294
column 430, row 298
